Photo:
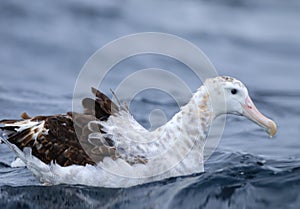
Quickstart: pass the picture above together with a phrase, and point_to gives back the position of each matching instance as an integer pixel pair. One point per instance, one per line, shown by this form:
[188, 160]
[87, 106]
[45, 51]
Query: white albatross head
[230, 96]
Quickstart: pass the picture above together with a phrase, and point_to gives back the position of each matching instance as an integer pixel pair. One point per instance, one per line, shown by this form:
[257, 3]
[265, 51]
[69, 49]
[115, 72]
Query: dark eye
[234, 91]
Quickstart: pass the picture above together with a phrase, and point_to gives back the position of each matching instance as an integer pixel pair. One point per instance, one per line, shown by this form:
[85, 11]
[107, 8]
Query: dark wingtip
[94, 91]
[102, 106]
[25, 116]
[9, 121]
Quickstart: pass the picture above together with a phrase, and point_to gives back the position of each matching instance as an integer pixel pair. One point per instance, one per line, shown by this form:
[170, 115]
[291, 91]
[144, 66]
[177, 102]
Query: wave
[232, 180]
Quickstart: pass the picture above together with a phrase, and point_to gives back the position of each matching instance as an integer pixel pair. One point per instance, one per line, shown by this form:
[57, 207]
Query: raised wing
[66, 139]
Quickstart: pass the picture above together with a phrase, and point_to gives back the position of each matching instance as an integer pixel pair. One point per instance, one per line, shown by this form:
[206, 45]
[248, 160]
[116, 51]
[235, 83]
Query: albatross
[105, 146]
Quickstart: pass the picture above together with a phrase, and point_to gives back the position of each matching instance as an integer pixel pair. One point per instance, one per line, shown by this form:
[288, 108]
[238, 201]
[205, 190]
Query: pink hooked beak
[251, 112]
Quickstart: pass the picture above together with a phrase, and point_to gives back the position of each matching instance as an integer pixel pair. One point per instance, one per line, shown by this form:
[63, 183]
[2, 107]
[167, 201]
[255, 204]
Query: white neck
[194, 119]
[185, 134]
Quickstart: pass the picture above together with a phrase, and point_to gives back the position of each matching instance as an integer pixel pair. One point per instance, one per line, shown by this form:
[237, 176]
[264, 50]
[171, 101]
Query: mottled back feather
[65, 139]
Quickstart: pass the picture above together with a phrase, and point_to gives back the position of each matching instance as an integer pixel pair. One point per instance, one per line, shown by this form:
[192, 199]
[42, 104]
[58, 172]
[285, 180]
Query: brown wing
[65, 139]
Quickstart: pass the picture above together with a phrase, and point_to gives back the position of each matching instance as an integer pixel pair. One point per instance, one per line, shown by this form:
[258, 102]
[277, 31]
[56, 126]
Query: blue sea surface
[44, 45]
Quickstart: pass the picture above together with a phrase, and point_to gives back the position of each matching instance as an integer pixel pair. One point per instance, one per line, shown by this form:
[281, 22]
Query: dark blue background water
[44, 44]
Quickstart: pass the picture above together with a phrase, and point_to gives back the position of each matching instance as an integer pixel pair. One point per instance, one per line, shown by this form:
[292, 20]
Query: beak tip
[272, 129]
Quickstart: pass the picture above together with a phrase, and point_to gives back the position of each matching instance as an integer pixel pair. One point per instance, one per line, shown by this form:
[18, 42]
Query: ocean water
[44, 45]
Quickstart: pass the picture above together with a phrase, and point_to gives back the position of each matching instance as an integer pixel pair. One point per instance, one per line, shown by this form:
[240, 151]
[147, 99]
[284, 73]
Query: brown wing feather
[60, 143]
[102, 107]
[68, 139]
